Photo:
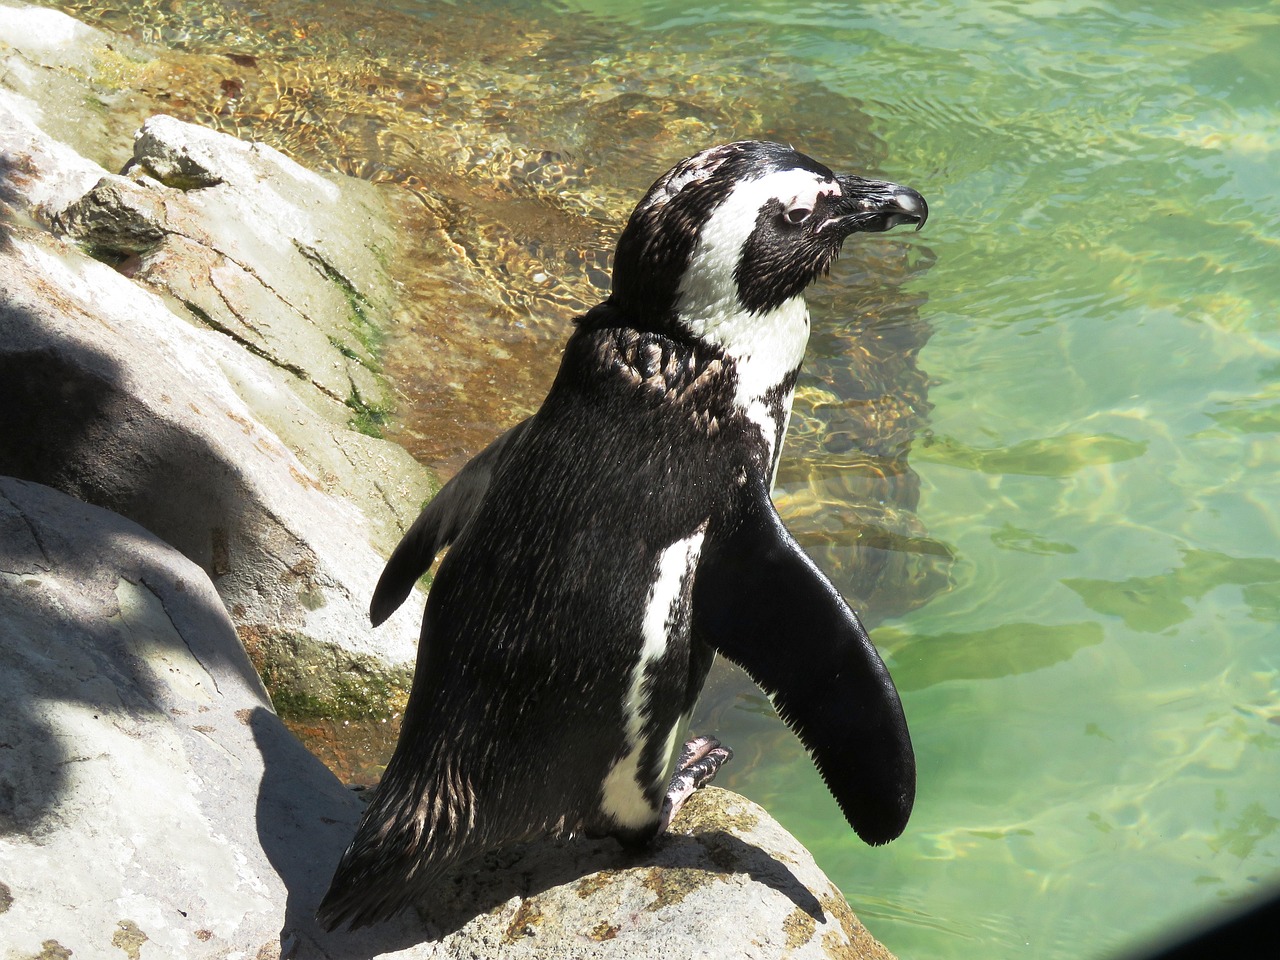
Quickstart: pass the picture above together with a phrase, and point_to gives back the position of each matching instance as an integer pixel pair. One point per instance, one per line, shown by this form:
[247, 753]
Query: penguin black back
[606, 548]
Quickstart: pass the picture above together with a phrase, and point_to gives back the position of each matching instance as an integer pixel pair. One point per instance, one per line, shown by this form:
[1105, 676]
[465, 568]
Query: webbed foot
[699, 762]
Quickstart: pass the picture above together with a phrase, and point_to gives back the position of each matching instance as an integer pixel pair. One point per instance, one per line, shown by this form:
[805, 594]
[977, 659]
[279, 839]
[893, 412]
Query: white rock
[227, 438]
[35, 29]
[54, 174]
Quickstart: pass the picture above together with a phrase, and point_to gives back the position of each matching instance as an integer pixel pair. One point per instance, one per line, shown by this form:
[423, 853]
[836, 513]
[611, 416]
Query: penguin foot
[699, 762]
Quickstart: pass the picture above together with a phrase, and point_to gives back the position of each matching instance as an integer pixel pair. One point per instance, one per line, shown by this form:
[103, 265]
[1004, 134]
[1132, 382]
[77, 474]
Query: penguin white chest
[767, 362]
[628, 788]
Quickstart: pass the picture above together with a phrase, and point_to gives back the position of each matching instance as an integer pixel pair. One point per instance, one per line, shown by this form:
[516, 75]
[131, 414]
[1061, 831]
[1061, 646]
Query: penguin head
[743, 228]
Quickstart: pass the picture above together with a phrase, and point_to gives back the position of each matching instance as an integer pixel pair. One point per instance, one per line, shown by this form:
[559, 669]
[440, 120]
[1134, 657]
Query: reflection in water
[1156, 603]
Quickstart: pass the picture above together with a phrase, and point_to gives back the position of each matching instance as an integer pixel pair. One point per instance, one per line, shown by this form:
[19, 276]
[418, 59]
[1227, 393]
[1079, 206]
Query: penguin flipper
[439, 524]
[761, 601]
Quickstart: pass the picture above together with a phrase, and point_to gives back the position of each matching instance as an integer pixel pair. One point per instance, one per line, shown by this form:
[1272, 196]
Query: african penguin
[605, 549]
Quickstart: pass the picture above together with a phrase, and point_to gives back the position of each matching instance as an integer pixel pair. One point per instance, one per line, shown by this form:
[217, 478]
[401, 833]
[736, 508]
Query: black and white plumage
[606, 548]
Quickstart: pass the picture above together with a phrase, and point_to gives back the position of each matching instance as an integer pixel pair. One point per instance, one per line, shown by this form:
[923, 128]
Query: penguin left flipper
[439, 524]
[761, 602]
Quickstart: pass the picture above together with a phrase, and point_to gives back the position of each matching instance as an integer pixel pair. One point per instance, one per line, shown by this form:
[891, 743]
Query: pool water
[1036, 443]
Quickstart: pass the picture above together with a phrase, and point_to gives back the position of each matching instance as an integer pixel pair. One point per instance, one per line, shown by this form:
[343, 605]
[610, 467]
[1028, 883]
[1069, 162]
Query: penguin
[603, 551]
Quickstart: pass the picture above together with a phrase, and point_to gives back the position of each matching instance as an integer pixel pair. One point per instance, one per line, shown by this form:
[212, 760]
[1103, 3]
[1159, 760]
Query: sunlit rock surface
[191, 345]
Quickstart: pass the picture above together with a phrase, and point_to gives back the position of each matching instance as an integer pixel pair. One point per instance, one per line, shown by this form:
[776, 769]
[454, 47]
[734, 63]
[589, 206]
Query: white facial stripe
[624, 798]
[768, 347]
[809, 196]
[708, 301]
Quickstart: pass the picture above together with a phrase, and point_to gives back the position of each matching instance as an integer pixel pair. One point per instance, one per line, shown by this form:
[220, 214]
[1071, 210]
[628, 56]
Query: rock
[40, 173]
[150, 801]
[727, 881]
[147, 791]
[213, 387]
[110, 397]
[51, 65]
[284, 261]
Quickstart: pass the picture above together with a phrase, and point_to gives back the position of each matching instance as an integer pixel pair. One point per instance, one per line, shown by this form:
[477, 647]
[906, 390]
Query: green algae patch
[129, 938]
[604, 930]
[670, 885]
[589, 886]
[707, 812]
[310, 680]
[860, 944]
[525, 923]
[51, 950]
[369, 417]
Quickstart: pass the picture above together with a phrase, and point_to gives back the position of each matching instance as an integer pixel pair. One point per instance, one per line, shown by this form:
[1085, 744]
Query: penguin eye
[797, 215]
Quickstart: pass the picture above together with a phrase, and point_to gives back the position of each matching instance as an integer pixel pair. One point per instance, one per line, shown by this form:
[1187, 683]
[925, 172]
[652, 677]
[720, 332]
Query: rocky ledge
[186, 372]
[190, 344]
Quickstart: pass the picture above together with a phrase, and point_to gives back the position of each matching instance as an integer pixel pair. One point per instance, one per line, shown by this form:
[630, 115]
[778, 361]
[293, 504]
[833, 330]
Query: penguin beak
[873, 206]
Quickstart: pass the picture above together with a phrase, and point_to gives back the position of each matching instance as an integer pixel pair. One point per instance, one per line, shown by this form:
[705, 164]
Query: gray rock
[151, 801]
[727, 881]
[205, 387]
[108, 396]
[40, 174]
[284, 261]
[148, 794]
[116, 217]
[49, 65]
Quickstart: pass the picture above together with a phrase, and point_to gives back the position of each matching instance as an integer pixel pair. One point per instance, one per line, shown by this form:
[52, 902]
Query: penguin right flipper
[762, 602]
[439, 524]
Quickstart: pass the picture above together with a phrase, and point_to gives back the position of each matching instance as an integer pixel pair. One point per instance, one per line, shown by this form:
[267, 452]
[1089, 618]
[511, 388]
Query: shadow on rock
[558, 890]
[305, 819]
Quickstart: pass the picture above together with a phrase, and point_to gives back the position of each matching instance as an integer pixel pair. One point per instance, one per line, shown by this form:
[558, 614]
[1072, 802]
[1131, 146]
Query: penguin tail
[374, 882]
[415, 829]
[355, 903]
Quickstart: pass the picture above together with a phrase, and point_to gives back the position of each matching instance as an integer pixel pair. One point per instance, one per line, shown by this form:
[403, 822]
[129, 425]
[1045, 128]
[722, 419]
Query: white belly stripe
[624, 798]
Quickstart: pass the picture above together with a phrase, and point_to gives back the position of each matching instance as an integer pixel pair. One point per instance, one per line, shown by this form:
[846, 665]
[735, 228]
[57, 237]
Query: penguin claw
[700, 761]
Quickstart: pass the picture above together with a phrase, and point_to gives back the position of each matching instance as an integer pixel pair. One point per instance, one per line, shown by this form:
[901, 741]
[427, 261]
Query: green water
[1095, 701]
[1078, 586]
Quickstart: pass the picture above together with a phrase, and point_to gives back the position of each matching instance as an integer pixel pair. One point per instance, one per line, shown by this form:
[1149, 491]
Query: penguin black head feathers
[744, 227]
